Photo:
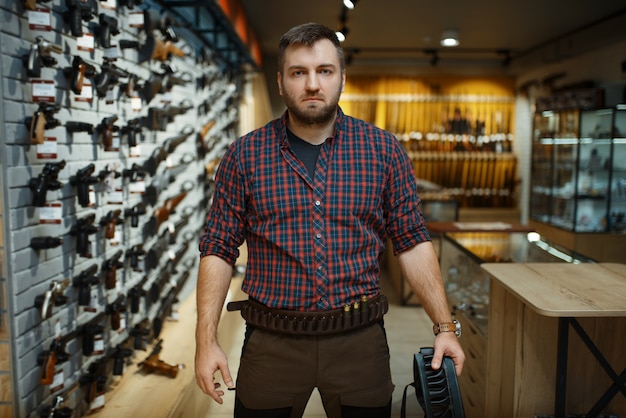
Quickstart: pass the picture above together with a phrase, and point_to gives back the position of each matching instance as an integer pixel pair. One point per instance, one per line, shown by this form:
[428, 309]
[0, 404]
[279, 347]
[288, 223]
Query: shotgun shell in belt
[356, 308]
[347, 317]
[364, 309]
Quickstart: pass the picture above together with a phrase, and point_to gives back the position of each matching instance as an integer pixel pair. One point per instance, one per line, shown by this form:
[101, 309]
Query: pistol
[109, 268]
[115, 311]
[132, 129]
[83, 282]
[110, 221]
[73, 127]
[134, 173]
[32, 4]
[46, 180]
[133, 213]
[77, 11]
[120, 353]
[52, 297]
[106, 129]
[202, 147]
[152, 363]
[81, 230]
[158, 49]
[44, 243]
[81, 180]
[78, 72]
[42, 119]
[88, 332]
[107, 27]
[108, 76]
[133, 255]
[56, 410]
[39, 56]
[139, 334]
[162, 213]
[162, 21]
[48, 359]
[134, 295]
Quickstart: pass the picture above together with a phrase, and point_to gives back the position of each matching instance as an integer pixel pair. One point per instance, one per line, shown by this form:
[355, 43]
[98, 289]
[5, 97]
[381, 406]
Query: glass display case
[578, 175]
[462, 253]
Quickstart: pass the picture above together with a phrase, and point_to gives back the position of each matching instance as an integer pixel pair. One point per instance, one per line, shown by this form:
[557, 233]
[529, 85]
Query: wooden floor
[408, 329]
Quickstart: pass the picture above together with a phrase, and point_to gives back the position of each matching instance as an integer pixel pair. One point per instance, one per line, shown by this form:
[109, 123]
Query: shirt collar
[281, 126]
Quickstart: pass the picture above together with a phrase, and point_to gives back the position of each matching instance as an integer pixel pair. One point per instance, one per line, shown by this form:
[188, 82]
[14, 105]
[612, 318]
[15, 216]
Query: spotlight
[342, 33]
[450, 38]
[350, 4]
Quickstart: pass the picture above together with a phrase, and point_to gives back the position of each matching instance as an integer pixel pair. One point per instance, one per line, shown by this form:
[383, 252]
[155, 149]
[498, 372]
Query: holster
[330, 322]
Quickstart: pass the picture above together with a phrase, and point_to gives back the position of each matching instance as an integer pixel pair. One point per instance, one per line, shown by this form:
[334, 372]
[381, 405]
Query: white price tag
[57, 381]
[86, 93]
[108, 4]
[48, 150]
[39, 19]
[51, 213]
[43, 91]
[115, 197]
[111, 53]
[134, 151]
[86, 42]
[135, 20]
[135, 103]
[137, 187]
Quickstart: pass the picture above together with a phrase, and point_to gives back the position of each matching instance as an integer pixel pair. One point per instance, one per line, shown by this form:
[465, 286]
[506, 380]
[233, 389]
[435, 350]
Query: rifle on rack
[77, 11]
[39, 56]
[46, 180]
[52, 297]
[160, 154]
[42, 120]
[56, 354]
[133, 213]
[109, 268]
[45, 243]
[159, 118]
[82, 180]
[78, 72]
[115, 311]
[110, 221]
[152, 363]
[83, 282]
[162, 213]
[81, 230]
[105, 130]
[132, 129]
[88, 332]
[201, 145]
[108, 76]
[107, 27]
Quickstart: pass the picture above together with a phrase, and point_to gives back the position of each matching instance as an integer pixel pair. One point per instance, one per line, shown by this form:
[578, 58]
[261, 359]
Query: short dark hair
[308, 34]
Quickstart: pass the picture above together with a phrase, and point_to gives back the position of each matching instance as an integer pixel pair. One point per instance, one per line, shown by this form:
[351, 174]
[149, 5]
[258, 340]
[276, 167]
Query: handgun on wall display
[77, 11]
[131, 131]
[162, 213]
[45, 243]
[32, 4]
[42, 120]
[108, 76]
[115, 310]
[52, 297]
[56, 354]
[56, 409]
[202, 147]
[46, 180]
[73, 127]
[159, 118]
[95, 383]
[162, 21]
[78, 72]
[153, 364]
[39, 56]
[158, 49]
[110, 221]
[81, 230]
[82, 180]
[134, 213]
[107, 27]
[134, 296]
[109, 269]
[133, 254]
[119, 355]
[161, 153]
[139, 333]
[88, 332]
[83, 281]
[105, 130]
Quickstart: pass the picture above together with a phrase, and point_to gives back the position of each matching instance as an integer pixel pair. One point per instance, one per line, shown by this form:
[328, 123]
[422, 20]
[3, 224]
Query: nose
[312, 82]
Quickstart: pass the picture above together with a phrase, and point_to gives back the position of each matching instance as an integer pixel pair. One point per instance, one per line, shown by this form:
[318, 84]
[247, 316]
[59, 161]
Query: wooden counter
[527, 303]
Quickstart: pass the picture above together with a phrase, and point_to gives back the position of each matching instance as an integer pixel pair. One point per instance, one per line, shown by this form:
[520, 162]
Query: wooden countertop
[445, 227]
[561, 289]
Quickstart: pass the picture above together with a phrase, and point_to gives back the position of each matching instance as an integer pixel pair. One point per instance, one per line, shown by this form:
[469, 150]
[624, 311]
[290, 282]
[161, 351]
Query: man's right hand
[209, 360]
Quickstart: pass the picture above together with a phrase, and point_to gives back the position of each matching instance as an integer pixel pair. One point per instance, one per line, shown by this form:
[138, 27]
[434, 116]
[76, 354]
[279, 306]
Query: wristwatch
[454, 326]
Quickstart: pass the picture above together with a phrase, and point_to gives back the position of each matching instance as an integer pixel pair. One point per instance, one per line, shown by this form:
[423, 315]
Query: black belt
[336, 321]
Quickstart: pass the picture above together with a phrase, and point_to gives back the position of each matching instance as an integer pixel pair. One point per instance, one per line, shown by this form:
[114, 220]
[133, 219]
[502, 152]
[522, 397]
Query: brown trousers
[350, 369]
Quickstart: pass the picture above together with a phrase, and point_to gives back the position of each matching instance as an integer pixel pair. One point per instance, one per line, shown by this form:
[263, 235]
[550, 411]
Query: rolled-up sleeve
[224, 229]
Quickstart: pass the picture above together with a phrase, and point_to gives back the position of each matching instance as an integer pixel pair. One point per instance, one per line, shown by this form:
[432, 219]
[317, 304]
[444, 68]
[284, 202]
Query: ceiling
[396, 34]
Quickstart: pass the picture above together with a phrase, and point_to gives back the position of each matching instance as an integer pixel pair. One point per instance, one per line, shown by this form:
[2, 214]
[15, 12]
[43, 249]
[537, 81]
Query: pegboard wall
[112, 127]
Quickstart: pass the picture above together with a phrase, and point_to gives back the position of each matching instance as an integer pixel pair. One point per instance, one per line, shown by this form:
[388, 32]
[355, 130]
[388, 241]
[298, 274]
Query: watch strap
[444, 327]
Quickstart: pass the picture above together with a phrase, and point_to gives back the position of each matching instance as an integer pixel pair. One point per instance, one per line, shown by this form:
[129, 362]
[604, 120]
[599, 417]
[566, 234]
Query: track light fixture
[350, 4]
[450, 38]
[342, 33]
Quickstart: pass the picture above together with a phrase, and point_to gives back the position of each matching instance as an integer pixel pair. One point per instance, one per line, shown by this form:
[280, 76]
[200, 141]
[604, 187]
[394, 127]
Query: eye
[325, 71]
[297, 73]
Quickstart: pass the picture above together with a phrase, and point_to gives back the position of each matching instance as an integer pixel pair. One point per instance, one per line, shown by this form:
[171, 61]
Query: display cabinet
[578, 177]
[468, 287]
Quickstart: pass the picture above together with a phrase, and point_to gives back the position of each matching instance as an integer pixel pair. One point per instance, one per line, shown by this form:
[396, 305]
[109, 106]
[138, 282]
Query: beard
[312, 113]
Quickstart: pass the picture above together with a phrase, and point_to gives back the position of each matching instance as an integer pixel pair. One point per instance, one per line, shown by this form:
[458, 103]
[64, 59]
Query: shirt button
[318, 236]
[317, 203]
[319, 267]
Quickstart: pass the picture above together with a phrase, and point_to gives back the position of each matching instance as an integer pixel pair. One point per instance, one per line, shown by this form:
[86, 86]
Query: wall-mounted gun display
[153, 364]
[56, 409]
[49, 359]
[119, 356]
[89, 331]
[202, 147]
[134, 213]
[82, 180]
[116, 310]
[83, 281]
[160, 154]
[52, 297]
[133, 254]
[107, 27]
[106, 129]
[81, 230]
[110, 221]
[162, 214]
[73, 127]
[135, 293]
[42, 120]
[46, 180]
[159, 118]
[108, 76]
[45, 243]
[131, 131]
[39, 56]
[109, 268]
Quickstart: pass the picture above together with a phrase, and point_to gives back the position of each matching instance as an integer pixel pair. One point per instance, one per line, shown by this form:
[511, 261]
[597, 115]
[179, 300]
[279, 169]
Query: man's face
[311, 82]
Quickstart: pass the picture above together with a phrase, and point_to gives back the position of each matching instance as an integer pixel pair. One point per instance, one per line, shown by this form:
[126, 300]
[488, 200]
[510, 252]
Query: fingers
[446, 344]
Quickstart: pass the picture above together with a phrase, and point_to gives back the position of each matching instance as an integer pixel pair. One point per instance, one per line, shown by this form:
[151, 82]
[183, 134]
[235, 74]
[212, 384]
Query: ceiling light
[450, 38]
[350, 4]
[342, 33]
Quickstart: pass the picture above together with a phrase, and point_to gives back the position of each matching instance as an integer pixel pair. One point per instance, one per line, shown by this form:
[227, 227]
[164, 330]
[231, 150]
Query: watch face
[457, 332]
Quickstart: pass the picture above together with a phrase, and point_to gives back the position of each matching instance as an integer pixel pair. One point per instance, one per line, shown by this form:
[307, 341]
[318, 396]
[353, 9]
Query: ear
[279, 80]
[343, 80]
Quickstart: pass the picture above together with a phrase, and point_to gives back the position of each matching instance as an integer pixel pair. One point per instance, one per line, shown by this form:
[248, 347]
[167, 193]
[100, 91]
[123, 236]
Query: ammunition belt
[330, 322]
